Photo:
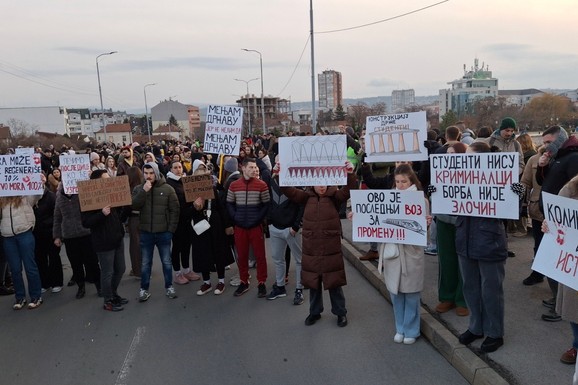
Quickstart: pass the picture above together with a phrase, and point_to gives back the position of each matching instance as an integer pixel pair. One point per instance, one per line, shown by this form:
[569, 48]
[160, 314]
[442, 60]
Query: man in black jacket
[556, 167]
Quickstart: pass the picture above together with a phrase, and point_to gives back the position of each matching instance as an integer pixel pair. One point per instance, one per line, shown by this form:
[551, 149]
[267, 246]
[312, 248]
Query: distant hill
[419, 100]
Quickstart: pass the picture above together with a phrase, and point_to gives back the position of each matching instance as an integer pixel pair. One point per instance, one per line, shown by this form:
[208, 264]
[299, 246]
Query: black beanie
[507, 123]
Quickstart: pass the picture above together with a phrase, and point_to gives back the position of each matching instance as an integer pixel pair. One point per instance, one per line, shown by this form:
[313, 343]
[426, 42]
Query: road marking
[130, 355]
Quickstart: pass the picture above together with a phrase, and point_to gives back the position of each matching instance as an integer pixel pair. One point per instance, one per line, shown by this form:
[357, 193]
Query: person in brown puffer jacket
[322, 260]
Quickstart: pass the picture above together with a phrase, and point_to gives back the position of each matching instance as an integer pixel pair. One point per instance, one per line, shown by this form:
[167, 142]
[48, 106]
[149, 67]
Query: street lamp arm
[100, 90]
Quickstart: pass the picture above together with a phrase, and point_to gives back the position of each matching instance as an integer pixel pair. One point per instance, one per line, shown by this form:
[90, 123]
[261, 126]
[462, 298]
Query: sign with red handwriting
[475, 184]
[557, 256]
[389, 216]
[20, 174]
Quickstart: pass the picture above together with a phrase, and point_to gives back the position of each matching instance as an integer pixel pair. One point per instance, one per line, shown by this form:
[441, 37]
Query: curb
[475, 370]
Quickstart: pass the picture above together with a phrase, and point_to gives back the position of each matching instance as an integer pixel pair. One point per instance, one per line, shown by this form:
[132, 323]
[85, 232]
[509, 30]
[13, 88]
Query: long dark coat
[322, 257]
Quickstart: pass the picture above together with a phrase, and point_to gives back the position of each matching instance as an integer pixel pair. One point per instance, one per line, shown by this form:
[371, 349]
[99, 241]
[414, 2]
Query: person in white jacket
[16, 224]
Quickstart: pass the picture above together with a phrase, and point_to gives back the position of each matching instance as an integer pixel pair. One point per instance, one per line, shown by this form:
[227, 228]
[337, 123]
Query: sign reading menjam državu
[20, 175]
[557, 256]
[475, 184]
[390, 216]
[224, 125]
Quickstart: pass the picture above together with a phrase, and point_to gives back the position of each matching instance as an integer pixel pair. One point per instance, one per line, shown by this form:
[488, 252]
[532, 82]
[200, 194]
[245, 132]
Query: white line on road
[130, 355]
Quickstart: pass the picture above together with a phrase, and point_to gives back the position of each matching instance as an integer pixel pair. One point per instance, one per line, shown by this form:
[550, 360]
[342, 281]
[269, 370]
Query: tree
[173, 121]
[547, 110]
[448, 119]
[339, 112]
[20, 127]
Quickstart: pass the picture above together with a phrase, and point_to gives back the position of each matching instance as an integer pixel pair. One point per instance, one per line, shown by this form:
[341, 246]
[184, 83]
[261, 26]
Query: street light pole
[147, 109]
[262, 94]
[100, 91]
[313, 113]
[248, 105]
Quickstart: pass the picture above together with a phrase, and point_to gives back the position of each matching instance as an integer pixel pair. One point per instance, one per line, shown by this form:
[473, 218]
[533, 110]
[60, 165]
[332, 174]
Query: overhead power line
[384, 20]
[296, 65]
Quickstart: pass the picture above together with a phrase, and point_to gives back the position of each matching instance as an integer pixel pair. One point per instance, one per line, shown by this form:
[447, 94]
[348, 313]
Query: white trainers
[143, 295]
[34, 303]
[56, 289]
[398, 338]
[171, 293]
[408, 341]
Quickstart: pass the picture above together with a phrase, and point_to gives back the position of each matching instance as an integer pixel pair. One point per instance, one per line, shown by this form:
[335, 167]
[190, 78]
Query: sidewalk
[532, 347]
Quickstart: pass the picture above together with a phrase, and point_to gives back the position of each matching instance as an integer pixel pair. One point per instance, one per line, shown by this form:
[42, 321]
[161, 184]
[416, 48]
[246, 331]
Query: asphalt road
[210, 340]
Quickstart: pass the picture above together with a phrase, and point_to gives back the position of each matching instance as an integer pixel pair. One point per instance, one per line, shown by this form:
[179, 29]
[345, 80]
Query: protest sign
[224, 125]
[74, 168]
[389, 216]
[313, 160]
[557, 256]
[477, 185]
[95, 194]
[396, 137]
[25, 151]
[198, 186]
[20, 174]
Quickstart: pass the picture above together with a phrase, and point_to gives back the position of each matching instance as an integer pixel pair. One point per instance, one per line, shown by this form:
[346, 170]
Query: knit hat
[507, 123]
[196, 164]
[231, 165]
[94, 156]
[135, 145]
[556, 145]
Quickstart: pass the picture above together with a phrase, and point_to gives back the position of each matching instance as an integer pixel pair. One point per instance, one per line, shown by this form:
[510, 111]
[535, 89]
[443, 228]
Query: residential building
[475, 84]
[5, 135]
[27, 120]
[169, 132]
[79, 122]
[110, 117]
[519, 97]
[400, 99]
[276, 110]
[330, 93]
[161, 114]
[115, 133]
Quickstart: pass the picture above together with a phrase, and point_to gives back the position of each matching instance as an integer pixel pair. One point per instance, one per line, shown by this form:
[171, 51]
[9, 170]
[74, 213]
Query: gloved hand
[519, 189]
[431, 189]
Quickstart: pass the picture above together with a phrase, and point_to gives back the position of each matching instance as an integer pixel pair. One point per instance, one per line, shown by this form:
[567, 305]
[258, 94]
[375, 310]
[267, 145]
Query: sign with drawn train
[396, 137]
[313, 160]
[389, 216]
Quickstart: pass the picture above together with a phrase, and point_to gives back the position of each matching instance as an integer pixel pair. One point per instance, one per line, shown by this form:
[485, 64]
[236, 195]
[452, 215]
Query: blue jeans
[406, 313]
[20, 251]
[162, 241]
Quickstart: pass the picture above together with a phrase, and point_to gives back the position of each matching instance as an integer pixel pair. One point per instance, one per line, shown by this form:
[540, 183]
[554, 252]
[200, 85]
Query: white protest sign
[396, 137]
[223, 130]
[475, 184]
[24, 151]
[389, 216]
[313, 160]
[557, 256]
[74, 168]
[20, 174]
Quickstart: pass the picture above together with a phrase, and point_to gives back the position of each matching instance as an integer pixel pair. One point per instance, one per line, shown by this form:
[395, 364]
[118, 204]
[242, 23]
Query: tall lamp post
[262, 94]
[100, 90]
[248, 105]
[147, 109]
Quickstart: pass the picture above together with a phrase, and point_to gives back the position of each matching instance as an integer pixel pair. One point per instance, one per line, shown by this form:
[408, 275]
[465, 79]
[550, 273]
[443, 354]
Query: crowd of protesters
[196, 238]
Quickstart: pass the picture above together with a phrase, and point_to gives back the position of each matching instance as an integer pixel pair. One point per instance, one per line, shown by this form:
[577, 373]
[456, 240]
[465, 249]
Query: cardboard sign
[74, 168]
[198, 186]
[477, 185]
[223, 130]
[95, 194]
[20, 174]
[313, 160]
[396, 137]
[557, 256]
[389, 216]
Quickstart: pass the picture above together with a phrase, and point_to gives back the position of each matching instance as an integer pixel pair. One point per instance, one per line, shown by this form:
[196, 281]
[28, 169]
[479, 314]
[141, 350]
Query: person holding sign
[211, 247]
[322, 259]
[482, 249]
[181, 250]
[107, 234]
[403, 270]
[16, 224]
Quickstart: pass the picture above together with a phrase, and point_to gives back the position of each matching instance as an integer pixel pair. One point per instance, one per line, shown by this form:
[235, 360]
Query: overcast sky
[192, 49]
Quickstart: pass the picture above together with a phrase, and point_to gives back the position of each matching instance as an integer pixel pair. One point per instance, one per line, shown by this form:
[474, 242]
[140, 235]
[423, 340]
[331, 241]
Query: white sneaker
[409, 341]
[143, 295]
[56, 289]
[398, 338]
[171, 293]
[235, 281]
